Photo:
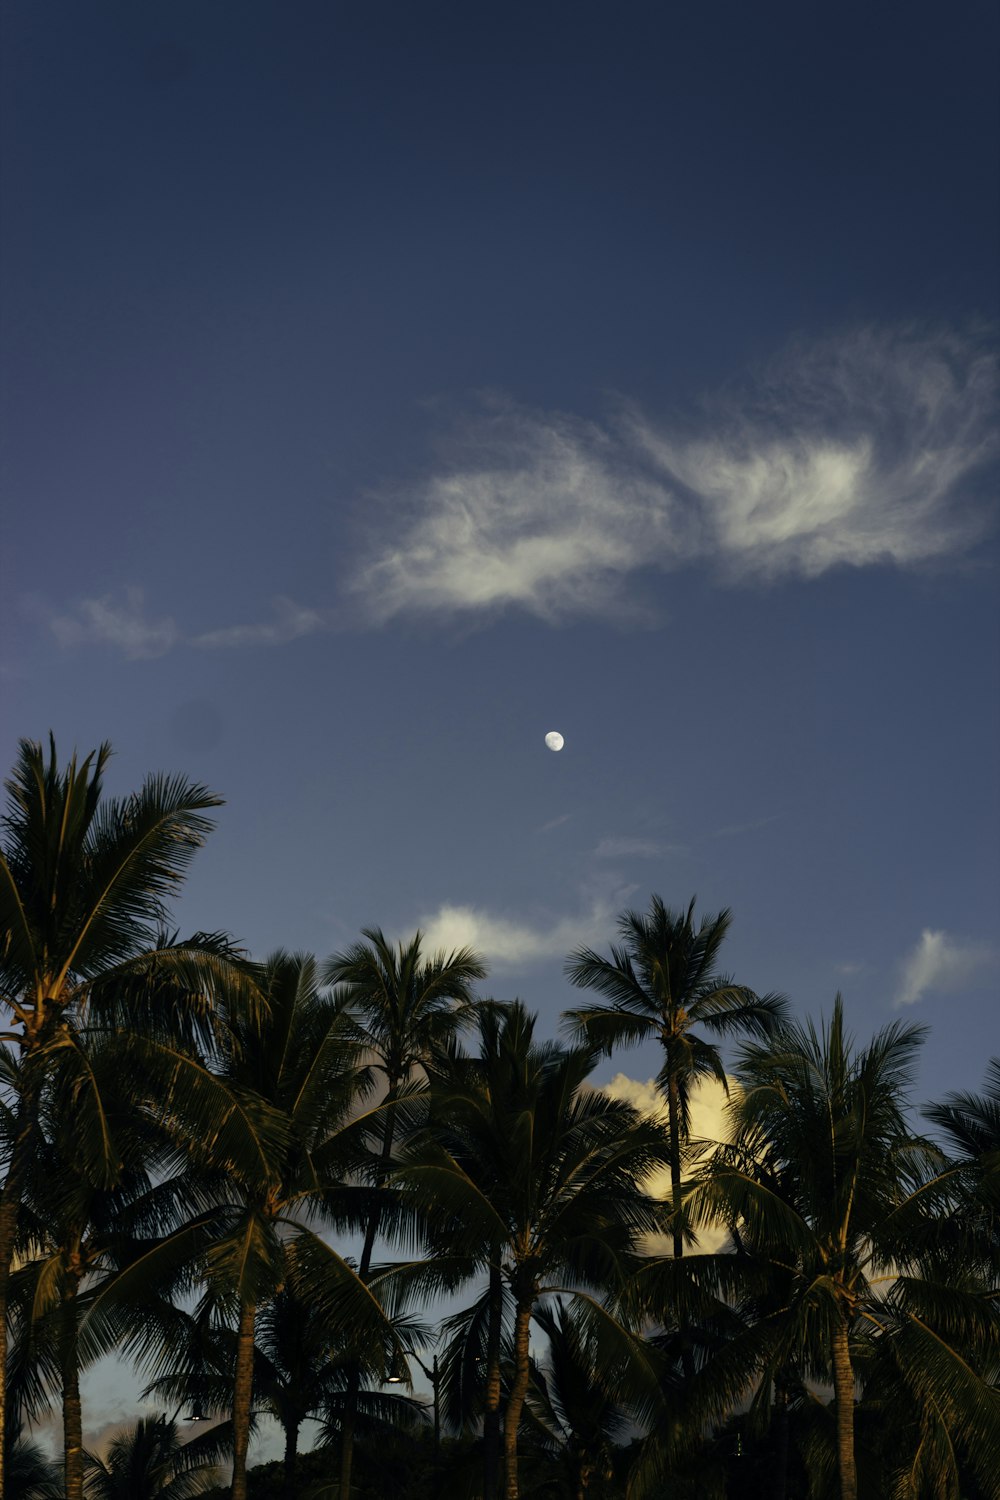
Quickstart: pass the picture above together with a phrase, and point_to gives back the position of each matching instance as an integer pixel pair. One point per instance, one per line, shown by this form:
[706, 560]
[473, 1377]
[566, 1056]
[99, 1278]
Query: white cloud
[291, 621]
[506, 942]
[121, 623]
[533, 509]
[941, 964]
[855, 452]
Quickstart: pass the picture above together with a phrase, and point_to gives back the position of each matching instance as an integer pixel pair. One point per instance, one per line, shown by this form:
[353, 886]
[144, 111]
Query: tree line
[203, 1154]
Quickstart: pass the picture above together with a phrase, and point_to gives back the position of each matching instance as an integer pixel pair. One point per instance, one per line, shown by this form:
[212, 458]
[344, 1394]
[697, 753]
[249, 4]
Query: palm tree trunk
[347, 1434]
[371, 1232]
[10, 1212]
[491, 1414]
[674, 1120]
[780, 1482]
[843, 1390]
[8, 1230]
[518, 1391]
[291, 1456]
[243, 1398]
[69, 1366]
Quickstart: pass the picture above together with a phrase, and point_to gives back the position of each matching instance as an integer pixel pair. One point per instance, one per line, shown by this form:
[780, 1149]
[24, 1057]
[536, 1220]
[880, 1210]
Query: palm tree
[971, 1127]
[84, 882]
[664, 985]
[406, 1007]
[544, 1172]
[74, 1235]
[578, 1413]
[148, 1461]
[29, 1474]
[826, 1181]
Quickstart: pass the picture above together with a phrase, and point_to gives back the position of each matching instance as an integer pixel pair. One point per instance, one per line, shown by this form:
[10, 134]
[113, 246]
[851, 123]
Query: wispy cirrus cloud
[854, 451]
[121, 621]
[943, 964]
[290, 621]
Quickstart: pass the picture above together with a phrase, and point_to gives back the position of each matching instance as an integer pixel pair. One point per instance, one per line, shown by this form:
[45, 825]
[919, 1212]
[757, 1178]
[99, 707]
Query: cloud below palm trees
[505, 941]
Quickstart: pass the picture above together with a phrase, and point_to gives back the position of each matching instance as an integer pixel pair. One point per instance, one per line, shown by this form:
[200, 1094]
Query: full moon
[554, 740]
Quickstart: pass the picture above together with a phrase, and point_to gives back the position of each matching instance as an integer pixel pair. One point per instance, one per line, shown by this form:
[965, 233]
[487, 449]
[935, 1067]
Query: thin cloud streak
[121, 622]
[852, 452]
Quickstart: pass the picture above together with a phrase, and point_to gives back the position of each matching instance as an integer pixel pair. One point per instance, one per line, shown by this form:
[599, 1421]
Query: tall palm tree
[825, 1179]
[74, 1234]
[663, 984]
[84, 885]
[406, 1007]
[293, 1066]
[546, 1172]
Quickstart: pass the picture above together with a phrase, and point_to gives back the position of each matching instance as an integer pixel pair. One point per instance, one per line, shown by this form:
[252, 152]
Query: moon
[554, 740]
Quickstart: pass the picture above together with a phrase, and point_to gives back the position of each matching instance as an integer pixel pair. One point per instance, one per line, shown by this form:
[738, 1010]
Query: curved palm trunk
[843, 1390]
[243, 1399]
[518, 1391]
[371, 1232]
[69, 1369]
[491, 1414]
[10, 1212]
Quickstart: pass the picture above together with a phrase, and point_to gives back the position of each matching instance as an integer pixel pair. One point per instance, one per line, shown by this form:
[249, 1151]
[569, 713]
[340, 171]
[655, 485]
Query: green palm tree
[148, 1461]
[544, 1172]
[826, 1181]
[84, 885]
[663, 984]
[407, 1007]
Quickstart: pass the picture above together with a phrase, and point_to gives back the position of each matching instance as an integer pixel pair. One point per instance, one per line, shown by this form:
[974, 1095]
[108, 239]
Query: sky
[385, 385]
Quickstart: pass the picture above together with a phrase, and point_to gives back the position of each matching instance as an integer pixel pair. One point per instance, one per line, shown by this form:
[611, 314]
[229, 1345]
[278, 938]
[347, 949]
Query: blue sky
[385, 385]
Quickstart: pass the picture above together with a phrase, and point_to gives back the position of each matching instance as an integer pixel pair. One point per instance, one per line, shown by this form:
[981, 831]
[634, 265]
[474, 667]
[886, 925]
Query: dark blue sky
[385, 385]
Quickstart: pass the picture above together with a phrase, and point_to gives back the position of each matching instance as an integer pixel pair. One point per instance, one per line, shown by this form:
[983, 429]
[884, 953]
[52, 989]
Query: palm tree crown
[663, 982]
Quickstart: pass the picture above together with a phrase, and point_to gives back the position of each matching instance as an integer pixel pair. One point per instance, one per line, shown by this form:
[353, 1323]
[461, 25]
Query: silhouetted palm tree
[406, 1006]
[547, 1172]
[826, 1180]
[84, 882]
[148, 1461]
[664, 985]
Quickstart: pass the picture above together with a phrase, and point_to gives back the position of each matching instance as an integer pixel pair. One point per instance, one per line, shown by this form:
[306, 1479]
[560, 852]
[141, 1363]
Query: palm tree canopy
[527, 1156]
[84, 879]
[406, 1004]
[828, 1188]
[662, 981]
[148, 1461]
